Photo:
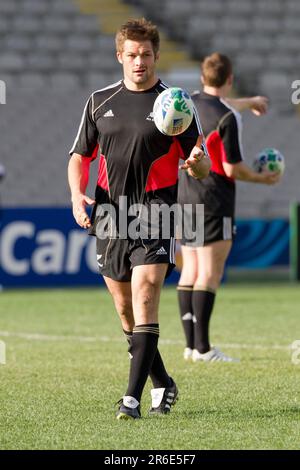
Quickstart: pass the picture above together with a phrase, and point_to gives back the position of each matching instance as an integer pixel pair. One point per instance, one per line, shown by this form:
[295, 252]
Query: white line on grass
[106, 339]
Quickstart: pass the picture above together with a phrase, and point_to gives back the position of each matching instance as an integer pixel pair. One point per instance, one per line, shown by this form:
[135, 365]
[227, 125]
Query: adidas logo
[130, 402]
[187, 316]
[150, 117]
[109, 114]
[161, 251]
[98, 261]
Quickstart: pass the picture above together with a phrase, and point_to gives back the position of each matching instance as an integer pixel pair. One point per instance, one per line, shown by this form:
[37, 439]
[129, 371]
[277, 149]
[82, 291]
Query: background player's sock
[143, 349]
[203, 303]
[185, 295]
[158, 373]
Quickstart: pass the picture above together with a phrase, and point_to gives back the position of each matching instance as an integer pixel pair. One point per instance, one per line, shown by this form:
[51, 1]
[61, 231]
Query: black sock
[158, 373]
[185, 295]
[143, 349]
[203, 303]
[128, 335]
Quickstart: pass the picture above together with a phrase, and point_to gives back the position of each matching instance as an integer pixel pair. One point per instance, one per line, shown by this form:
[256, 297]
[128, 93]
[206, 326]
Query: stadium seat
[35, 7]
[18, 43]
[260, 43]
[26, 24]
[87, 24]
[63, 81]
[266, 25]
[40, 62]
[57, 25]
[270, 7]
[227, 43]
[66, 8]
[281, 61]
[292, 7]
[79, 43]
[234, 24]
[291, 24]
[8, 7]
[11, 62]
[71, 61]
[288, 42]
[238, 7]
[49, 43]
[249, 62]
[32, 81]
[213, 9]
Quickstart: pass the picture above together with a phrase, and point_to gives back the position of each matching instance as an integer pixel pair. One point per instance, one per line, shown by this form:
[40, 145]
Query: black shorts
[116, 257]
[216, 228]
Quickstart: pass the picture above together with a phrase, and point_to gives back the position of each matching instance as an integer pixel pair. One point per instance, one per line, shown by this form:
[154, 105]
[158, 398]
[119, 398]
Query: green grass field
[67, 365]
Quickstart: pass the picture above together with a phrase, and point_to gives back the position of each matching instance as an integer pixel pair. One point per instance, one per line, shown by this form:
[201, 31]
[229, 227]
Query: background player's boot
[163, 399]
[129, 411]
[213, 355]
[187, 354]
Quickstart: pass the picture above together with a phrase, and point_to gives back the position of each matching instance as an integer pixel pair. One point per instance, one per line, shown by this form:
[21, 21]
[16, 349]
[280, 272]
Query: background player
[203, 266]
[118, 120]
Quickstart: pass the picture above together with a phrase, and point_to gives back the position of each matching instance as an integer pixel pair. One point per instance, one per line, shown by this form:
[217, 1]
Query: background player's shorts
[216, 228]
[116, 257]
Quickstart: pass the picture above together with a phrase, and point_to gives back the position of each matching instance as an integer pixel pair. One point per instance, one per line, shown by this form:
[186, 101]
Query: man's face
[138, 60]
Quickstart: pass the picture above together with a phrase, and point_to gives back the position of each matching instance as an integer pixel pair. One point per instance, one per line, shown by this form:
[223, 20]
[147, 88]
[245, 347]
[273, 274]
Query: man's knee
[210, 279]
[123, 304]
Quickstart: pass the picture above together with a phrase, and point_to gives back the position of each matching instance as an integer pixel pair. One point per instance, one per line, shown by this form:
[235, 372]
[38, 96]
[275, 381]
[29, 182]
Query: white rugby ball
[173, 111]
[269, 159]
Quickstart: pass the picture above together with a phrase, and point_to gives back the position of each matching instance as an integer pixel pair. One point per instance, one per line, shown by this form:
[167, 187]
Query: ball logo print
[173, 111]
[269, 159]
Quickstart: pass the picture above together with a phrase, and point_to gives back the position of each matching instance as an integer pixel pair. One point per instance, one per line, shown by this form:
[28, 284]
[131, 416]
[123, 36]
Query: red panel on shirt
[164, 171]
[217, 153]
[102, 174]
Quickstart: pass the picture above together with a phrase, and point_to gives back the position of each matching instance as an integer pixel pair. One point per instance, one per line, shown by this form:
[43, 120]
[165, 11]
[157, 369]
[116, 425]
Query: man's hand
[197, 165]
[259, 105]
[268, 177]
[79, 204]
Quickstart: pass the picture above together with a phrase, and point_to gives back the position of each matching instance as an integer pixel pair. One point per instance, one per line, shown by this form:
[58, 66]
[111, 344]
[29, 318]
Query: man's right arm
[78, 176]
[233, 163]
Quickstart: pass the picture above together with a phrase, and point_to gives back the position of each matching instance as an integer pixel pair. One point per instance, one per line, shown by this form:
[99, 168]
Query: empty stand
[53, 56]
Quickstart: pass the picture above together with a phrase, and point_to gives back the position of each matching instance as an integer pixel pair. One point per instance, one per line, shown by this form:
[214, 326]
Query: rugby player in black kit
[138, 165]
[203, 266]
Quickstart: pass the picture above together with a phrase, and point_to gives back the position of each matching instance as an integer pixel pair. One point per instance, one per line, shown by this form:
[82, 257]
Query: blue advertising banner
[261, 244]
[41, 247]
[45, 247]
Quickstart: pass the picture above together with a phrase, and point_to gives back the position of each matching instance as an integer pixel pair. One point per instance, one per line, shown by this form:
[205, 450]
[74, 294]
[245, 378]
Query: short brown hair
[216, 69]
[138, 30]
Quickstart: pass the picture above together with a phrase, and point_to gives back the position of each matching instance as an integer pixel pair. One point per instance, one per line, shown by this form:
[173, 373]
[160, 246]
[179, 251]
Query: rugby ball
[269, 159]
[173, 111]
